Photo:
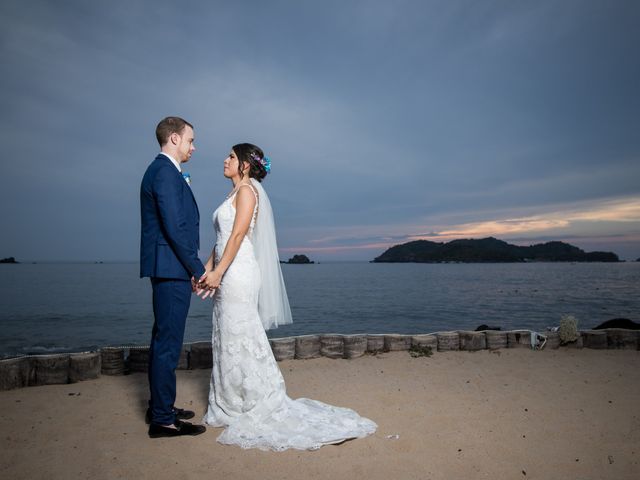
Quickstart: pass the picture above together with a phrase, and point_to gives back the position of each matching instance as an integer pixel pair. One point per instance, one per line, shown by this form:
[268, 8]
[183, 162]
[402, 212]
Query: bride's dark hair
[251, 154]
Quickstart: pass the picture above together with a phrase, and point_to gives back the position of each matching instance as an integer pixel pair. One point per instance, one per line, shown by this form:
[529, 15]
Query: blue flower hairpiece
[265, 162]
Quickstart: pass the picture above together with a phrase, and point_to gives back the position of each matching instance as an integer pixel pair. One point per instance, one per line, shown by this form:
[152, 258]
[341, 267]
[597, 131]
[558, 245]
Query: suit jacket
[170, 224]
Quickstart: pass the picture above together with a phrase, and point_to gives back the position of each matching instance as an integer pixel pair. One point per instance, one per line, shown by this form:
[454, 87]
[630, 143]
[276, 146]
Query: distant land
[9, 260]
[489, 250]
[299, 260]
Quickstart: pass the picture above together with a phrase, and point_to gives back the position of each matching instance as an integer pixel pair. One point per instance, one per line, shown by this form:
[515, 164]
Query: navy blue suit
[169, 256]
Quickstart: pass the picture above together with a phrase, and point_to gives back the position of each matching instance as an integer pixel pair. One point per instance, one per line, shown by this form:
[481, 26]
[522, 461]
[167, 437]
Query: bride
[247, 392]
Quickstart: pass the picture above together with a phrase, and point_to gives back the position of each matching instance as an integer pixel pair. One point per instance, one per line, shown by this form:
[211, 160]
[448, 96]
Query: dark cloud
[379, 116]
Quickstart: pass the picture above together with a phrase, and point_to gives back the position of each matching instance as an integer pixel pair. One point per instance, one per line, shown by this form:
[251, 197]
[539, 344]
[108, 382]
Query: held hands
[207, 284]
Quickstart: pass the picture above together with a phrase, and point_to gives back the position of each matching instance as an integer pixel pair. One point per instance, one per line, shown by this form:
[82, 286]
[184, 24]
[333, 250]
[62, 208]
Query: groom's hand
[208, 283]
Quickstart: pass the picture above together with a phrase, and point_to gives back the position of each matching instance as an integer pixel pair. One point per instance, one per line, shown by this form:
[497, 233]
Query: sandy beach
[513, 413]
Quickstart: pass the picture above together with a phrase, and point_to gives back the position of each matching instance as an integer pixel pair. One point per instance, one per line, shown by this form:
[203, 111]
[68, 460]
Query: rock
[519, 339]
[84, 366]
[183, 361]
[496, 339]
[354, 345]
[112, 362]
[15, 373]
[395, 342]
[139, 359]
[596, 339]
[307, 346]
[283, 348]
[375, 343]
[553, 340]
[622, 339]
[448, 341]
[425, 340]
[483, 327]
[332, 346]
[618, 323]
[472, 341]
[200, 356]
[51, 369]
[299, 259]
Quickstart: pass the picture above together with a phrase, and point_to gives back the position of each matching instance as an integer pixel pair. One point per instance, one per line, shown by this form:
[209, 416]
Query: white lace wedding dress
[247, 392]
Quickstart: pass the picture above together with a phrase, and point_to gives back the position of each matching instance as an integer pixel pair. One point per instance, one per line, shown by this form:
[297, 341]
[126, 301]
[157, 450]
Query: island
[299, 260]
[9, 260]
[488, 250]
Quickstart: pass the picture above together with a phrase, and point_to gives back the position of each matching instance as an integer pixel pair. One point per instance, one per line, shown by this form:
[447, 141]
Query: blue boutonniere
[187, 177]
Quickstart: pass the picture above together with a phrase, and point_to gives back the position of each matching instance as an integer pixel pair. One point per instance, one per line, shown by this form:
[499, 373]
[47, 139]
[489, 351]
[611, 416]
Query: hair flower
[265, 162]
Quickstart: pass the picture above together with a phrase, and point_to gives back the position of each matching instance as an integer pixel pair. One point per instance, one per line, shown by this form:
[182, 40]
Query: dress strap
[253, 189]
[255, 193]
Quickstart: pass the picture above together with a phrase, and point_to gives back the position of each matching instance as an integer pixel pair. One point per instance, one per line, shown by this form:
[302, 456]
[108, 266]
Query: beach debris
[538, 341]
[610, 458]
[524, 473]
[392, 437]
[568, 329]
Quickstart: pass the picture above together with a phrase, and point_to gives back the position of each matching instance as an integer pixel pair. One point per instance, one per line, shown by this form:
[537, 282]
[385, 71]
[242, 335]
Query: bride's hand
[208, 283]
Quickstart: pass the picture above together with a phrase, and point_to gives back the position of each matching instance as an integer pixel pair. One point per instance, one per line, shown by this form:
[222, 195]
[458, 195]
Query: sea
[62, 307]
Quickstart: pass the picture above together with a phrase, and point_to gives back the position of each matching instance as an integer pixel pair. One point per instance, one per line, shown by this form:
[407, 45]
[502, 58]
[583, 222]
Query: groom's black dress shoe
[182, 428]
[181, 414]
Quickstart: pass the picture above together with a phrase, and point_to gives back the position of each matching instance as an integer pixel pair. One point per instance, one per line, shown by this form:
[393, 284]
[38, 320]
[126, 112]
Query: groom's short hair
[170, 125]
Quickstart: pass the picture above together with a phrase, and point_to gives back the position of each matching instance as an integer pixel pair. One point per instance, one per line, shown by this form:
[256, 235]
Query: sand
[514, 413]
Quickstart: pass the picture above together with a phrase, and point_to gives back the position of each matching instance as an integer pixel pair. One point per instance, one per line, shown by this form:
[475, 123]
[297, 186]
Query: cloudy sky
[386, 121]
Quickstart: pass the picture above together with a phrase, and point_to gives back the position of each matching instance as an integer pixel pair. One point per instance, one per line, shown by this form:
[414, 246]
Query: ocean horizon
[53, 306]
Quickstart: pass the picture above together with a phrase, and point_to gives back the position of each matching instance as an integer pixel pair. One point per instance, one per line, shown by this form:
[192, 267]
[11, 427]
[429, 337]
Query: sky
[386, 121]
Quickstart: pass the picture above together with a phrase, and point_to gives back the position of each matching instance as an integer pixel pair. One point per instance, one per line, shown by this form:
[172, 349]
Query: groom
[169, 256]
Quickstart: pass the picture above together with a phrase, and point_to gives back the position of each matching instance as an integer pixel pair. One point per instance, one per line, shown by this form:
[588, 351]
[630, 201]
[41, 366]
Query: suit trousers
[171, 300]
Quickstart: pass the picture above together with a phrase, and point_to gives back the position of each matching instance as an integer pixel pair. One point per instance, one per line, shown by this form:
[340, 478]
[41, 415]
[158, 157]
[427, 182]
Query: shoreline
[63, 368]
[509, 413]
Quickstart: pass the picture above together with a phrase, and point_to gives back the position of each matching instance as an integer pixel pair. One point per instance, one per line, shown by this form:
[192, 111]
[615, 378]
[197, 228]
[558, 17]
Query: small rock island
[489, 250]
[299, 260]
[9, 260]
